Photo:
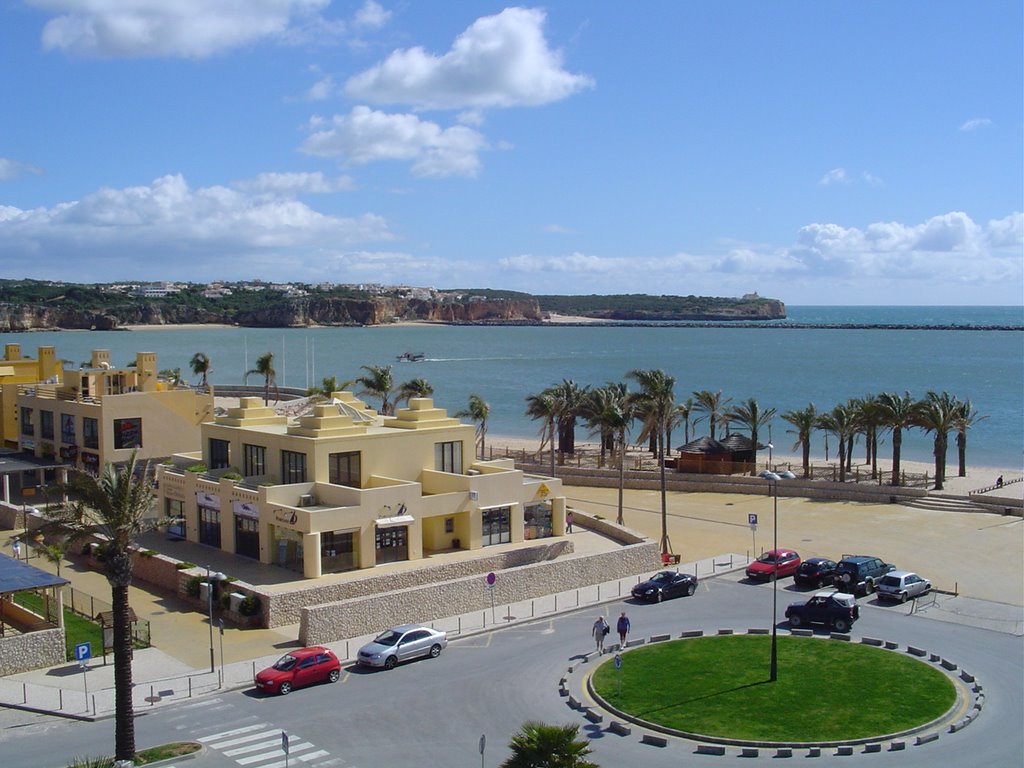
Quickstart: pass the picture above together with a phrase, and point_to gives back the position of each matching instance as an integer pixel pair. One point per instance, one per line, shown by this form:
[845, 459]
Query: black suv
[815, 572]
[834, 609]
[858, 573]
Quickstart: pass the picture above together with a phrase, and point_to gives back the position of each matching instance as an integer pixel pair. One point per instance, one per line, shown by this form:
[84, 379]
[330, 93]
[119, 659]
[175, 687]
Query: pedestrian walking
[600, 631]
[568, 521]
[17, 549]
[622, 625]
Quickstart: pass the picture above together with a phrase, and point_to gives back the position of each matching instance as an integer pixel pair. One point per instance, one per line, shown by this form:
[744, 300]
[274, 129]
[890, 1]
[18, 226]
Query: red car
[298, 668]
[787, 561]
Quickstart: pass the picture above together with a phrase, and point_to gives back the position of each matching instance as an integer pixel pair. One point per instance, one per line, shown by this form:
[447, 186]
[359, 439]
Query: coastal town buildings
[101, 413]
[345, 488]
[16, 369]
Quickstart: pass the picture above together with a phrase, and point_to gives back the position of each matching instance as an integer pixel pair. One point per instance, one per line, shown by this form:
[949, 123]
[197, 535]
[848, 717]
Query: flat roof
[19, 576]
[22, 461]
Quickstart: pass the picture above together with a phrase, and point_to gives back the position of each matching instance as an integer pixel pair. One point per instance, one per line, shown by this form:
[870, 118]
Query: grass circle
[825, 691]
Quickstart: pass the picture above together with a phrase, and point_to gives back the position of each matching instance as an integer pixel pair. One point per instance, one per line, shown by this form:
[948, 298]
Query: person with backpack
[599, 631]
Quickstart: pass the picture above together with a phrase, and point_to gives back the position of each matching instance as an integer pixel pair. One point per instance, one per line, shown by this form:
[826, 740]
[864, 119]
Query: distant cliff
[290, 312]
[764, 309]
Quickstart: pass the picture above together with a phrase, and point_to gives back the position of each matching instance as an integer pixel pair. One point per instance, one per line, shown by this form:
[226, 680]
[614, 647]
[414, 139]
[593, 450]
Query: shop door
[392, 544]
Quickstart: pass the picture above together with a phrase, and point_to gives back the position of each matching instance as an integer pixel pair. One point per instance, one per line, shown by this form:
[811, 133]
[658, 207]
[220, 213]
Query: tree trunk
[842, 460]
[897, 443]
[940, 461]
[622, 472]
[664, 497]
[124, 715]
[807, 457]
[961, 449]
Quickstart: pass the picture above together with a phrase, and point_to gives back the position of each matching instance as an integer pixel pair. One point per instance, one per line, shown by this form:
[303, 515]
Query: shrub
[192, 586]
[225, 600]
[197, 468]
[184, 565]
[147, 552]
[232, 476]
[249, 606]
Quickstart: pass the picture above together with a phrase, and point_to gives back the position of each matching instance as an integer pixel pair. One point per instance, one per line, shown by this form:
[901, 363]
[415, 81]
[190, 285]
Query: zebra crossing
[257, 744]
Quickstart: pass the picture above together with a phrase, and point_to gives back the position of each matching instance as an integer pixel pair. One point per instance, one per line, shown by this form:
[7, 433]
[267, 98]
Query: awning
[391, 522]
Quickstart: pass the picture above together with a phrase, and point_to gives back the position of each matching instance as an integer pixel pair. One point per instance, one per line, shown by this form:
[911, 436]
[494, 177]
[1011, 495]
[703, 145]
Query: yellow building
[17, 369]
[102, 414]
[345, 488]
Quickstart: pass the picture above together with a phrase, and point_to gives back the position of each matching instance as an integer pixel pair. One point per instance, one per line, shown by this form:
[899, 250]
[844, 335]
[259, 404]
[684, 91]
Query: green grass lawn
[826, 690]
[77, 629]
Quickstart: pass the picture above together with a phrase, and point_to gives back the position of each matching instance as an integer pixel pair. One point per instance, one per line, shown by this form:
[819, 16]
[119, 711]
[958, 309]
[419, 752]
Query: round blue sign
[491, 578]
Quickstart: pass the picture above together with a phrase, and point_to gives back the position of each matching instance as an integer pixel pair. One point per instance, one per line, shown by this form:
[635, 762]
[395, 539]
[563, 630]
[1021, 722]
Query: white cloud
[558, 229]
[870, 178]
[322, 89]
[366, 135]
[185, 28]
[296, 183]
[499, 61]
[371, 16]
[167, 230]
[835, 176]
[12, 169]
[975, 123]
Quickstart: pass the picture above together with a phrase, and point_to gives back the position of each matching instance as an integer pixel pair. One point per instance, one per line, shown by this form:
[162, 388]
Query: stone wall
[428, 602]
[34, 650]
[285, 608]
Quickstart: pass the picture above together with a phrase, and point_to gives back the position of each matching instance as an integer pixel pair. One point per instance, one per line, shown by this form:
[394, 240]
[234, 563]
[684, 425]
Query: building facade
[15, 369]
[101, 414]
[345, 488]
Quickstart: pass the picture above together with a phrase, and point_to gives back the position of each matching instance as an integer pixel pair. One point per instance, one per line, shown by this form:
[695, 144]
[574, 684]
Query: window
[537, 520]
[392, 544]
[254, 458]
[220, 454]
[293, 467]
[175, 510]
[46, 425]
[344, 469]
[91, 432]
[448, 457]
[67, 428]
[209, 526]
[27, 427]
[338, 551]
[497, 528]
[127, 433]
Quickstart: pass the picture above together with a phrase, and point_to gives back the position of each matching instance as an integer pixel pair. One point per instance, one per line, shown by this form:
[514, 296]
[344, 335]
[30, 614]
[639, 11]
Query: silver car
[409, 641]
[901, 585]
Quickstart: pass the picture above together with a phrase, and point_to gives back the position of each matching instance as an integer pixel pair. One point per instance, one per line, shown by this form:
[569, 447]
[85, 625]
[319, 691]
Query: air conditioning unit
[474, 495]
[307, 500]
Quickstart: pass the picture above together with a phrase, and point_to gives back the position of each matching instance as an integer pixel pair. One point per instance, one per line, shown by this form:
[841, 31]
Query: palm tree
[568, 400]
[477, 411]
[172, 375]
[939, 414]
[841, 422]
[896, 413]
[200, 365]
[804, 422]
[712, 405]
[538, 745]
[116, 505]
[869, 419]
[967, 417]
[378, 383]
[328, 386]
[413, 388]
[265, 368]
[654, 405]
[750, 415]
[681, 415]
[542, 406]
[594, 410]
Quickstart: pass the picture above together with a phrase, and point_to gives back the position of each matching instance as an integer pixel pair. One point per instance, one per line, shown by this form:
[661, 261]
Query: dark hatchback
[815, 572]
[837, 610]
[664, 585]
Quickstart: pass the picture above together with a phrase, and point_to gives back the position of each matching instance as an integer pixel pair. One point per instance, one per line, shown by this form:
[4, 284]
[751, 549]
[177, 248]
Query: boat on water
[411, 357]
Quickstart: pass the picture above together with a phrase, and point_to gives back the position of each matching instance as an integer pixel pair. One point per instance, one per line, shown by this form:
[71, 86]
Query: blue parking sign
[83, 652]
[752, 518]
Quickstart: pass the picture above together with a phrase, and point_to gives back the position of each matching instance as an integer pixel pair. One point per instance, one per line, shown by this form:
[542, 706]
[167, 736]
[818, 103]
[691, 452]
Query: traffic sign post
[752, 522]
[483, 744]
[284, 747]
[491, 578]
[83, 652]
[618, 673]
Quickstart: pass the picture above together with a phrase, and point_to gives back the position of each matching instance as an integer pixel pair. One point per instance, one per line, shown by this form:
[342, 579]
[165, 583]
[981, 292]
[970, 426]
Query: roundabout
[832, 696]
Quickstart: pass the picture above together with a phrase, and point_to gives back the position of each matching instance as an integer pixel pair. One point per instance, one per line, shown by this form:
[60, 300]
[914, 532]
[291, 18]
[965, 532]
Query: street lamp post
[210, 579]
[220, 624]
[773, 481]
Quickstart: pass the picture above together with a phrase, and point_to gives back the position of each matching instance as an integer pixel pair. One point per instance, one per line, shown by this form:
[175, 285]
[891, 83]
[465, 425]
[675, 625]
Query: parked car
[860, 573]
[409, 641]
[900, 585]
[815, 572]
[834, 609]
[774, 562]
[298, 668]
[664, 585]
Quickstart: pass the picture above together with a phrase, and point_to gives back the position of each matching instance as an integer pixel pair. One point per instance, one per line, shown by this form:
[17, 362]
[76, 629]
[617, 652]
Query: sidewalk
[161, 679]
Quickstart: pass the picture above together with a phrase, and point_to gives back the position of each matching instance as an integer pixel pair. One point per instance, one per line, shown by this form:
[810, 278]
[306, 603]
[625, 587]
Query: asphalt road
[433, 712]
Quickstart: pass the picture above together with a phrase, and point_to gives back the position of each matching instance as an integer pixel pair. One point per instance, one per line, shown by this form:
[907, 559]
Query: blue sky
[816, 152]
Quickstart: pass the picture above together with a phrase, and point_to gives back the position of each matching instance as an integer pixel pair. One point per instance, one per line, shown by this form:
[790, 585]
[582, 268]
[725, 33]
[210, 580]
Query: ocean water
[784, 368]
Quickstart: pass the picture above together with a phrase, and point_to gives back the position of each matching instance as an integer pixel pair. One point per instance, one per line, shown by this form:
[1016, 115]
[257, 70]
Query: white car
[409, 641]
[901, 585]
